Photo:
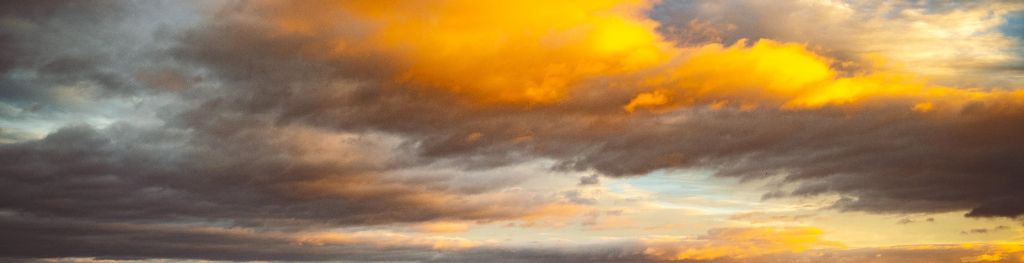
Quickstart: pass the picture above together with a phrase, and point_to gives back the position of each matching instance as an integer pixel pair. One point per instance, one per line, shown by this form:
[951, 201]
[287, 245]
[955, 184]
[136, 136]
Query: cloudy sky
[513, 131]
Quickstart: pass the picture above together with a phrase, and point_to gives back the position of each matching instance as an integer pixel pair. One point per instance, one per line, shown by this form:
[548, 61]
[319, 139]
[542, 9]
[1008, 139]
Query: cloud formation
[749, 111]
[127, 241]
[739, 244]
[322, 130]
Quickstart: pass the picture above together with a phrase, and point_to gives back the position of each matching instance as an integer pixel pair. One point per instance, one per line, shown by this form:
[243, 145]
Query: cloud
[443, 227]
[739, 243]
[521, 52]
[284, 122]
[826, 132]
[49, 237]
[54, 47]
[766, 109]
[38, 237]
[593, 179]
[952, 43]
[125, 173]
[118, 187]
[772, 74]
[984, 230]
[760, 217]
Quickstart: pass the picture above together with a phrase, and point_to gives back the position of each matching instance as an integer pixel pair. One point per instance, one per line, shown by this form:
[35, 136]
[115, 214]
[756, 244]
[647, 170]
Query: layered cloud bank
[380, 131]
[600, 89]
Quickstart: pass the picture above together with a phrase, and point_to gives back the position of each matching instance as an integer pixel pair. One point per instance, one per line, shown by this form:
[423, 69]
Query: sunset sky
[512, 131]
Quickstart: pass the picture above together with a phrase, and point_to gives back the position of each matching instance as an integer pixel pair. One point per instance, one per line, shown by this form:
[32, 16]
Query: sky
[511, 131]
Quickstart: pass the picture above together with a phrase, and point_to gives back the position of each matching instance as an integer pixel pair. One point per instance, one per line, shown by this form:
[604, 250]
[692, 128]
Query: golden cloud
[507, 52]
[789, 76]
[383, 239]
[538, 52]
[738, 243]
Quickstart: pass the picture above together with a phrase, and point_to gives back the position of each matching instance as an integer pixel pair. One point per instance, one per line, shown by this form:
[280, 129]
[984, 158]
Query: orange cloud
[1000, 251]
[538, 52]
[383, 239]
[996, 252]
[738, 243]
[786, 75]
[443, 227]
[788, 244]
[507, 52]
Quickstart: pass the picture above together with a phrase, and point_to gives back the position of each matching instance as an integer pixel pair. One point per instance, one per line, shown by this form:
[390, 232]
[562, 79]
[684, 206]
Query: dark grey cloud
[134, 192]
[62, 58]
[221, 156]
[984, 230]
[9, 136]
[47, 237]
[905, 221]
[253, 177]
[27, 236]
[593, 179]
[54, 43]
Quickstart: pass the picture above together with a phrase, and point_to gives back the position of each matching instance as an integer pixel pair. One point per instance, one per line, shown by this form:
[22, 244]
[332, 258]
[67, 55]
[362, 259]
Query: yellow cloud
[443, 227]
[538, 52]
[998, 252]
[737, 243]
[529, 51]
[785, 75]
[383, 239]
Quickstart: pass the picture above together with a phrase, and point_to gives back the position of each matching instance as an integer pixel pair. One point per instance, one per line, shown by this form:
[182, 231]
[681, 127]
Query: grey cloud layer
[49, 44]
